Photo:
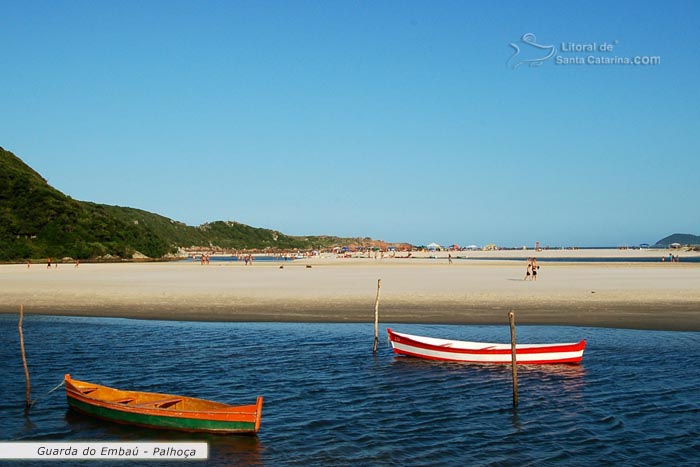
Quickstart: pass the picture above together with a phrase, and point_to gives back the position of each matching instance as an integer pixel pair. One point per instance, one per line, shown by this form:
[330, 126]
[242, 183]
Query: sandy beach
[657, 295]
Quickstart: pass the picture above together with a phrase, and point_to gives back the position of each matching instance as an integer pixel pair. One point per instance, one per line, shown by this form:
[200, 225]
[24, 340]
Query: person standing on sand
[48, 264]
[535, 267]
[529, 268]
[449, 258]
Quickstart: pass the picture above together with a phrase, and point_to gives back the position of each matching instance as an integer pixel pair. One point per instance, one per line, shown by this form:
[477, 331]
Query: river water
[635, 399]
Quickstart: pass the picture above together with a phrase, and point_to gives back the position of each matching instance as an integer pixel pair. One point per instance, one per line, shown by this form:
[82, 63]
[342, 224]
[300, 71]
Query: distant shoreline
[510, 254]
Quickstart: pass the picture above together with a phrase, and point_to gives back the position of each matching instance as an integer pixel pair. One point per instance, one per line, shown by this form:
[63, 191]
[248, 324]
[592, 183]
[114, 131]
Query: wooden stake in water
[376, 317]
[511, 318]
[28, 401]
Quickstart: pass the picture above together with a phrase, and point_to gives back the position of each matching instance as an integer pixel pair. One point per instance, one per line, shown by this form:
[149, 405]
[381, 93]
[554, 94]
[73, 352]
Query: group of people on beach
[532, 268]
[205, 259]
[55, 264]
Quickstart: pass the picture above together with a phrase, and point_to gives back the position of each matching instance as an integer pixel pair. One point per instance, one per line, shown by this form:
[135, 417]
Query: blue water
[635, 400]
[638, 259]
[641, 259]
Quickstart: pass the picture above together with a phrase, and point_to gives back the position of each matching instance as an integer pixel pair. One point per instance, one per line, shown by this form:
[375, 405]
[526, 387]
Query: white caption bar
[107, 450]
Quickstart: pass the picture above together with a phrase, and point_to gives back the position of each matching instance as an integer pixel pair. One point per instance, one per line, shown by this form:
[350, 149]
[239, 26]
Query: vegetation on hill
[38, 221]
[682, 239]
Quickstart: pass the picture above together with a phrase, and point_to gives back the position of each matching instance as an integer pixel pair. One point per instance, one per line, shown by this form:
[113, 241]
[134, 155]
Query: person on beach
[529, 268]
[48, 264]
[535, 267]
[449, 258]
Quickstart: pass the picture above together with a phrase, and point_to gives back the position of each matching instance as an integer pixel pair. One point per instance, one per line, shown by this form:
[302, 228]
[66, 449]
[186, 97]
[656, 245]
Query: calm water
[637, 259]
[635, 400]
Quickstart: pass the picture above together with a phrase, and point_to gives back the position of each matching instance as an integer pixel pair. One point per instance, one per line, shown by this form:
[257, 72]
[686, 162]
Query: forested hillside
[38, 221]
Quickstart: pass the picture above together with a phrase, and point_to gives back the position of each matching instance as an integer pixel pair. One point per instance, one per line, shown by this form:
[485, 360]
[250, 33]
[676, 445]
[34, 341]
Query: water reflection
[239, 450]
[515, 420]
[562, 370]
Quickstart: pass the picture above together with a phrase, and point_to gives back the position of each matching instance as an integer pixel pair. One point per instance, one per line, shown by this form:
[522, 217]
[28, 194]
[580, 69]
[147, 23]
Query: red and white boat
[482, 352]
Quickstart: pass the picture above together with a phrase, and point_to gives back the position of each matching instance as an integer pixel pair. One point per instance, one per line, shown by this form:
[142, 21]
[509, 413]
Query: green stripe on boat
[156, 421]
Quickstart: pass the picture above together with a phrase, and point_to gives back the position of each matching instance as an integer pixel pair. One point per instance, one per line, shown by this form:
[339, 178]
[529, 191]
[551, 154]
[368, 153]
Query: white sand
[632, 295]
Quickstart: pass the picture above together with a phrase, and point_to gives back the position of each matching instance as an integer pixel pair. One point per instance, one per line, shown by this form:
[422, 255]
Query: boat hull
[481, 352]
[142, 409]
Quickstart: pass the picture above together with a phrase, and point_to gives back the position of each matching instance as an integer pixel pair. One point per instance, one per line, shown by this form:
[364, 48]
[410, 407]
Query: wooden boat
[164, 411]
[482, 352]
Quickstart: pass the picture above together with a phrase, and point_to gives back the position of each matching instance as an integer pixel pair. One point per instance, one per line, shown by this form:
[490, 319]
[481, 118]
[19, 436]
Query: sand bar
[664, 296]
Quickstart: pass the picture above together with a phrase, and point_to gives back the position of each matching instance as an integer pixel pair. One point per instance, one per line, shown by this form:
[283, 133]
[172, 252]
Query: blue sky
[401, 121]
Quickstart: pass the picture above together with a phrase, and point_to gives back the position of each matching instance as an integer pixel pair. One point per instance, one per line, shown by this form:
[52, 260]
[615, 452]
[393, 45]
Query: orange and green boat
[162, 411]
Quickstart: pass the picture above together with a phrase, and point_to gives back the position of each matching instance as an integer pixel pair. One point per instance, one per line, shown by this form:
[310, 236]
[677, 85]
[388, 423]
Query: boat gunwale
[410, 339]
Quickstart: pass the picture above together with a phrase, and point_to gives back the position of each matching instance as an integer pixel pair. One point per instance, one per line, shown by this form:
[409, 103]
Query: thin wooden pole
[376, 317]
[514, 365]
[28, 401]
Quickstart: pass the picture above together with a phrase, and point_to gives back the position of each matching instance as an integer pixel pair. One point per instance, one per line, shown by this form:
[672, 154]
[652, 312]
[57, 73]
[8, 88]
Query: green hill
[683, 239]
[38, 221]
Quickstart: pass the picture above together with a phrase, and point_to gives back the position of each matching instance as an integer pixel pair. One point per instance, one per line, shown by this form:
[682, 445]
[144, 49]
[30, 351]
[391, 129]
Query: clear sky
[402, 120]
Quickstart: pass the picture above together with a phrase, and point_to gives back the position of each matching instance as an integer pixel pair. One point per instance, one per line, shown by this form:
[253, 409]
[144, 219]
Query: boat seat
[161, 403]
[88, 390]
[126, 400]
